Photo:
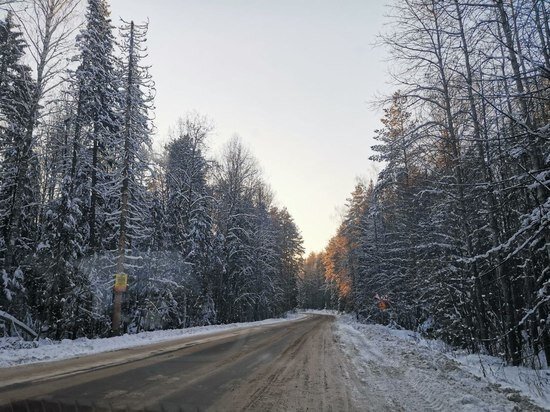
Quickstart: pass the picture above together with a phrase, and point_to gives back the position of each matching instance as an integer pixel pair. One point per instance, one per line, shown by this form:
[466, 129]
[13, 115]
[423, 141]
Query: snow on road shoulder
[534, 384]
[402, 371]
[46, 350]
[321, 312]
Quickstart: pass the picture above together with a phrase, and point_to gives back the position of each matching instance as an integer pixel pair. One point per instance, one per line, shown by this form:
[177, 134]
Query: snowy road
[312, 363]
[291, 365]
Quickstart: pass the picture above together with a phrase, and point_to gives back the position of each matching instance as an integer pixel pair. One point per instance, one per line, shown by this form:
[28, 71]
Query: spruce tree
[98, 122]
[19, 193]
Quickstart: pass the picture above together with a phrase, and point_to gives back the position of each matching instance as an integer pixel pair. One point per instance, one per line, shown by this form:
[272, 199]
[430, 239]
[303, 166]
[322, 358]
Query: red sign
[383, 303]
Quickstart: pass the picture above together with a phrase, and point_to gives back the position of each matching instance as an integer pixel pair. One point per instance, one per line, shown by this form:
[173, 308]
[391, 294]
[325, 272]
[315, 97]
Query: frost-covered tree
[82, 203]
[130, 217]
[290, 256]
[236, 180]
[189, 222]
[82, 196]
[455, 231]
[261, 245]
[19, 194]
[314, 291]
[133, 164]
[98, 121]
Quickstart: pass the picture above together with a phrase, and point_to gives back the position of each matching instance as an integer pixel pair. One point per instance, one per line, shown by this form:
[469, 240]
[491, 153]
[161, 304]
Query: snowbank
[320, 311]
[534, 384]
[46, 350]
[463, 381]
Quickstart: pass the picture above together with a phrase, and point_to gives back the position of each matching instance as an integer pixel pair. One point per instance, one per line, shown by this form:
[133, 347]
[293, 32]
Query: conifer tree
[189, 225]
[98, 122]
[19, 194]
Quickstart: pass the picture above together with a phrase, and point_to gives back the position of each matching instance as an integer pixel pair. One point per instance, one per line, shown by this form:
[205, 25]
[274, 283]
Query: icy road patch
[399, 371]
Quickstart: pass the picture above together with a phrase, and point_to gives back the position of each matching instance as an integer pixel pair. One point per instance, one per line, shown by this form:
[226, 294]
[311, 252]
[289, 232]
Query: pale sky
[293, 78]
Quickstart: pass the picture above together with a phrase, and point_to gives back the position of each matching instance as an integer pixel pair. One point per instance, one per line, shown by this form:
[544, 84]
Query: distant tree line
[456, 231]
[83, 196]
[315, 290]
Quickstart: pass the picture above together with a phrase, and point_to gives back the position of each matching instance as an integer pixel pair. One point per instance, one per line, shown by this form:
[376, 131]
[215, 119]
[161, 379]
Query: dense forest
[454, 236]
[83, 196]
[452, 239]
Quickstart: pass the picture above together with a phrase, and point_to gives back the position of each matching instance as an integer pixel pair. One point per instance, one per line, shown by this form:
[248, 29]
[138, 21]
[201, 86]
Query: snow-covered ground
[392, 369]
[406, 372]
[19, 353]
[320, 311]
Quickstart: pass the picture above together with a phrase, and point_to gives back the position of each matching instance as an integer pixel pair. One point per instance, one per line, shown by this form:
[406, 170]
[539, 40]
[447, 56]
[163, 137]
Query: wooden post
[121, 284]
[117, 310]
[125, 195]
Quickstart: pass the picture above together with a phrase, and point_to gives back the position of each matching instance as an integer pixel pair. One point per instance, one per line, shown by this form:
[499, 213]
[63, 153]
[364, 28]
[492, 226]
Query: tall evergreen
[134, 160]
[189, 223]
[19, 191]
[98, 122]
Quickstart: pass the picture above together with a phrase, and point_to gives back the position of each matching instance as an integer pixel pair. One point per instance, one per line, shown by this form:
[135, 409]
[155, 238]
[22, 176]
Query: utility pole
[121, 284]
[121, 280]
[117, 309]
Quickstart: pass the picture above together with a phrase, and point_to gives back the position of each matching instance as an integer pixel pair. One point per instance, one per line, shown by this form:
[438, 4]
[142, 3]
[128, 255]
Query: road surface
[293, 365]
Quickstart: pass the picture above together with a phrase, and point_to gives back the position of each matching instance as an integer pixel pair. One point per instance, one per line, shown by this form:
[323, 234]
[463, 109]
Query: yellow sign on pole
[121, 282]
